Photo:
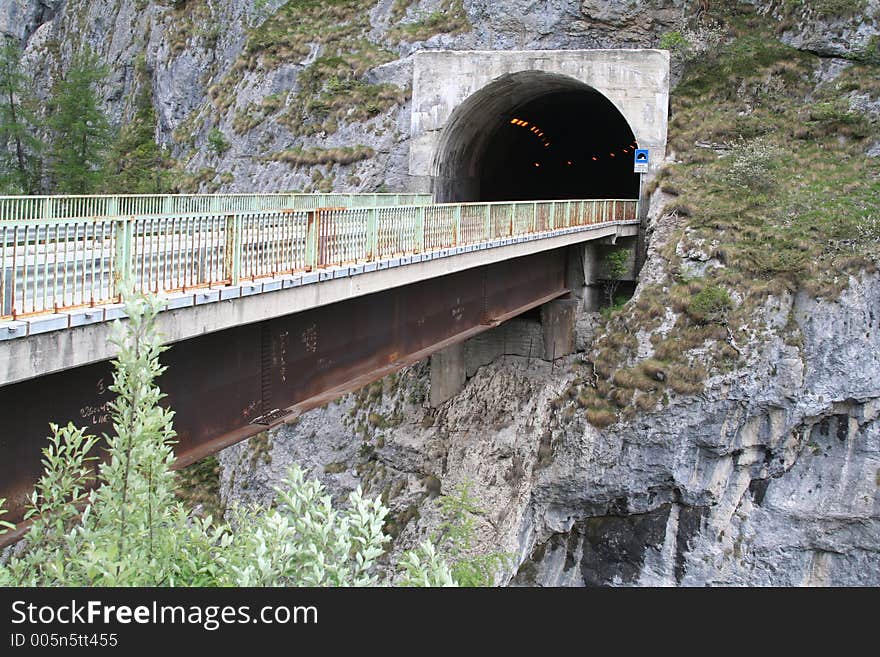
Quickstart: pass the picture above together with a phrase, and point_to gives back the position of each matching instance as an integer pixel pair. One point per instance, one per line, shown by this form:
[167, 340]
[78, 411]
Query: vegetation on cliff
[20, 150]
[332, 87]
[80, 130]
[771, 192]
[70, 148]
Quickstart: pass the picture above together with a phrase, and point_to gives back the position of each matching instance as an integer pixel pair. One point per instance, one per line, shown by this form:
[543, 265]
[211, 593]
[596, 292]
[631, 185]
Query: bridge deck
[54, 273]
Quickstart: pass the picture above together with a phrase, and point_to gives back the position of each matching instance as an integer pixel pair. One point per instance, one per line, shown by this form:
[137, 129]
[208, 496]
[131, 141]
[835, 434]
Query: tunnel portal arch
[535, 135]
[518, 125]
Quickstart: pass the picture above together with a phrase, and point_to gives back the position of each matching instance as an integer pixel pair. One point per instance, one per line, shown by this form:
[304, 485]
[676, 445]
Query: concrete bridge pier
[549, 333]
[545, 334]
[448, 373]
[558, 327]
[591, 269]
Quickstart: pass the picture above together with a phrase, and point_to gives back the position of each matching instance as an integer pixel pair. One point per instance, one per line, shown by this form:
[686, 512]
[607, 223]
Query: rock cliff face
[771, 475]
[213, 65]
[209, 70]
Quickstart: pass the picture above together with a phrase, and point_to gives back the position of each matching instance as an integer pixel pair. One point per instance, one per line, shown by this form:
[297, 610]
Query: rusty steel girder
[232, 384]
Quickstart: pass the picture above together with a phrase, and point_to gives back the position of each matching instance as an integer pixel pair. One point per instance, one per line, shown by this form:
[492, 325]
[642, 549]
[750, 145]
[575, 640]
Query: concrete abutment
[545, 333]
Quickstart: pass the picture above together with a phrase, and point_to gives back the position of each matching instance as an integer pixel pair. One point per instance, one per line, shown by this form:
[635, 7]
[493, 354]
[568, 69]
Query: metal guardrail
[49, 265]
[22, 208]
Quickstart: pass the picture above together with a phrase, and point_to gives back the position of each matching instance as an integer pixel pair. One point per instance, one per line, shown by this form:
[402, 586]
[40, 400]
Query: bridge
[277, 303]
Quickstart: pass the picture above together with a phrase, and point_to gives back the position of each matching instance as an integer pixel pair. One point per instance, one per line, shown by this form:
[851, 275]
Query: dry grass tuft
[314, 156]
[601, 418]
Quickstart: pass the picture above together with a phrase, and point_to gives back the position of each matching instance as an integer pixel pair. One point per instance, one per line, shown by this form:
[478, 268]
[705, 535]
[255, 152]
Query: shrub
[674, 41]
[217, 142]
[752, 166]
[133, 532]
[709, 305]
[456, 538]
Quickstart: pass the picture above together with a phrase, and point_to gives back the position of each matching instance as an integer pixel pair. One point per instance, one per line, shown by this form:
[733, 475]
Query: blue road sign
[642, 160]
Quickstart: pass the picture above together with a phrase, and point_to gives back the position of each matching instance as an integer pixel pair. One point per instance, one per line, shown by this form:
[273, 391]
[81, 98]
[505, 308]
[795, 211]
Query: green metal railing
[21, 208]
[56, 264]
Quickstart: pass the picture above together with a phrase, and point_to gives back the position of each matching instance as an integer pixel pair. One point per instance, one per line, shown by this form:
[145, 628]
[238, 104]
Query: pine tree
[19, 148]
[80, 129]
[136, 164]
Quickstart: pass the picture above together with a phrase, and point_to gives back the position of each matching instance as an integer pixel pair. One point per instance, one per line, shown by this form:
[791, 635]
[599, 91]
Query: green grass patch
[773, 185]
[450, 18]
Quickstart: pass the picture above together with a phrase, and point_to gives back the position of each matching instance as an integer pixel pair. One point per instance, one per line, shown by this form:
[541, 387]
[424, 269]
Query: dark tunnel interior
[572, 144]
[568, 142]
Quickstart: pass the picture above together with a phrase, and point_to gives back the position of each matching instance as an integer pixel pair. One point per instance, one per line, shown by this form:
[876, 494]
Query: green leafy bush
[133, 531]
[217, 141]
[674, 41]
[456, 540]
[753, 166]
[710, 305]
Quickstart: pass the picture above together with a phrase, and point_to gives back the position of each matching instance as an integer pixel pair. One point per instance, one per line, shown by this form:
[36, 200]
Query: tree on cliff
[80, 131]
[136, 164]
[133, 531]
[614, 266]
[19, 147]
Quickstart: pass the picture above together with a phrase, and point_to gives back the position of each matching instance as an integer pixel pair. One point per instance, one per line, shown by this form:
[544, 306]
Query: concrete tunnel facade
[522, 125]
[531, 125]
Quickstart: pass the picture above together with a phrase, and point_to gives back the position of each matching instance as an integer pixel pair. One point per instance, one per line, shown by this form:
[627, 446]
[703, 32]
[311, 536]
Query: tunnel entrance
[535, 135]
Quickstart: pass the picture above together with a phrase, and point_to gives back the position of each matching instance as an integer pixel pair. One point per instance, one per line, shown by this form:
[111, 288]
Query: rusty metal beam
[227, 386]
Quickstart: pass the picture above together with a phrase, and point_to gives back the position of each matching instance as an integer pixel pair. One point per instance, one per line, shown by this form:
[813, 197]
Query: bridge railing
[49, 265]
[22, 208]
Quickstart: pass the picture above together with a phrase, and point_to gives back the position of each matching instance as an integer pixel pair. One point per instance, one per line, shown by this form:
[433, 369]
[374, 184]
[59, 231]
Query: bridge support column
[558, 324]
[592, 290]
[448, 373]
